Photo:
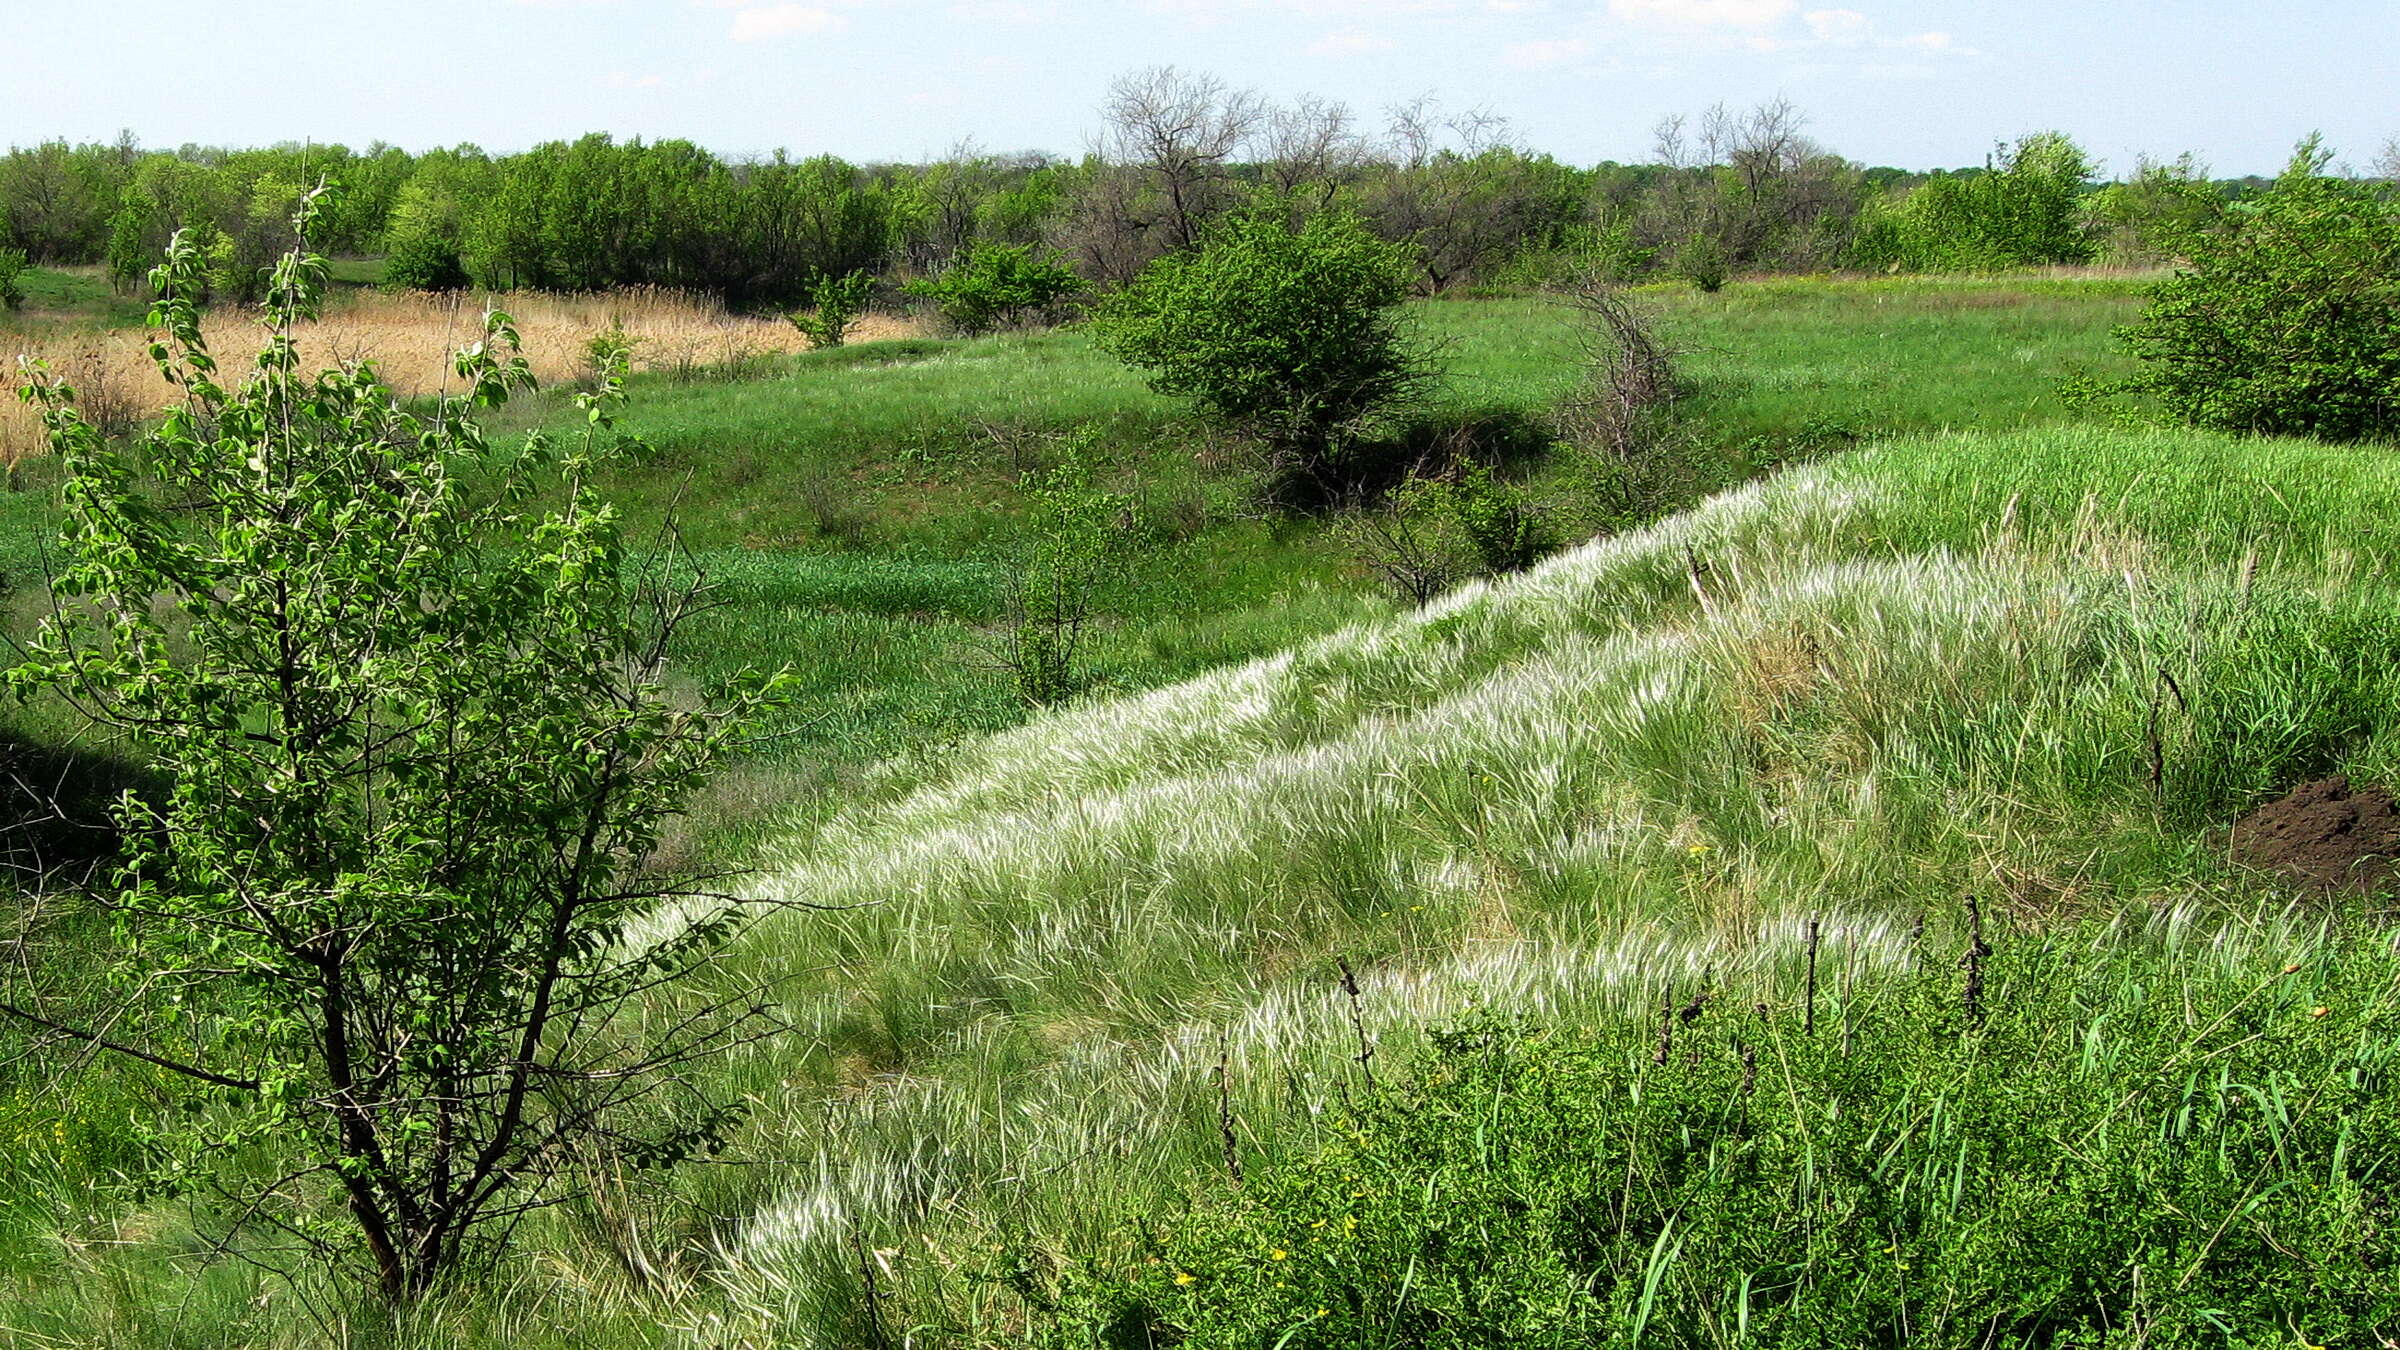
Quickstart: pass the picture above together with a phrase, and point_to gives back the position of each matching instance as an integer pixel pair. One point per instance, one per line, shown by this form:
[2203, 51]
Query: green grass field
[1080, 958]
[833, 493]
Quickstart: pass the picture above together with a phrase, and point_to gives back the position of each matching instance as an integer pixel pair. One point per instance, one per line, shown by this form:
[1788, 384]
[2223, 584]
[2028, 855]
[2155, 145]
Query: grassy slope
[860, 504]
[1902, 672]
[1911, 673]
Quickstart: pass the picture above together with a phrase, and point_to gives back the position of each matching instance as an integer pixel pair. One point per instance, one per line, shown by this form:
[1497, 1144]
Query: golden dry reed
[410, 338]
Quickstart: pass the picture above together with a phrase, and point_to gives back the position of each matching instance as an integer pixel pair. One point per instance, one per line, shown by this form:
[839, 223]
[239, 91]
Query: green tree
[2287, 322]
[1292, 336]
[418, 743]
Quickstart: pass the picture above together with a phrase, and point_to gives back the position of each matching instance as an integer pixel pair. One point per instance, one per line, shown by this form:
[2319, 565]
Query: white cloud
[1837, 25]
[1005, 11]
[618, 79]
[1212, 11]
[1830, 30]
[1350, 42]
[1703, 14]
[1545, 55]
[760, 22]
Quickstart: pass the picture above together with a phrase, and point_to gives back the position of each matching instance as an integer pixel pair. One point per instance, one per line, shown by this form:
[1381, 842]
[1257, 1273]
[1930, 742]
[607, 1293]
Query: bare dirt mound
[2326, 835]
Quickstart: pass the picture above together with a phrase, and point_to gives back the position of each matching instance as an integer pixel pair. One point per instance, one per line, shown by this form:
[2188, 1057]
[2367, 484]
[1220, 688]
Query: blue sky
[1914, 83]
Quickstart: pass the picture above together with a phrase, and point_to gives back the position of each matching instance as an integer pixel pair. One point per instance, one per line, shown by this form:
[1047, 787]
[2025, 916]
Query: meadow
[1612, 919]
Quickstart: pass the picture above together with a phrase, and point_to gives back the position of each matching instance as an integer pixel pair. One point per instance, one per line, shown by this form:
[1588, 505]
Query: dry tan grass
[410, 339]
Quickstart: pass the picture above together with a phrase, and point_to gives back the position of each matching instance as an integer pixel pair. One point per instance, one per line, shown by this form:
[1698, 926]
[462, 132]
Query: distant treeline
[1726, 192]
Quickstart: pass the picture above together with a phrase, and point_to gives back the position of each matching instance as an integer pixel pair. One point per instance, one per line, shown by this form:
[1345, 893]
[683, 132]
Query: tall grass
[1846, 697]
[413, 337]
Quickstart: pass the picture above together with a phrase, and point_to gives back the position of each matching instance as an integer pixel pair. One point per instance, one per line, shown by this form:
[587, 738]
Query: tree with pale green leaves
[390, 919]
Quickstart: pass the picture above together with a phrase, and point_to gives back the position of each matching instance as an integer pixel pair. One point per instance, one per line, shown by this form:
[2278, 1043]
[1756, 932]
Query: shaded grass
[78, 296]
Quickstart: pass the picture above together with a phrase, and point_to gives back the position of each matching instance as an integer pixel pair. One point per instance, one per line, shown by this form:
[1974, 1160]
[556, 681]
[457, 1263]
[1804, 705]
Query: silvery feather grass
[1845, 697]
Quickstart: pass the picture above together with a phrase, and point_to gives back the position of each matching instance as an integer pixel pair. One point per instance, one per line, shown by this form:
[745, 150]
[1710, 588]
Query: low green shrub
[834, 307]
[993, 286]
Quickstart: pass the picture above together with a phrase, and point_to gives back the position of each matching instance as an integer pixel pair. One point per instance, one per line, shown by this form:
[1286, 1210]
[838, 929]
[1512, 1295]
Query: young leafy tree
[834, 306]
[1290, 335]
[418, 741]
[1077, 540]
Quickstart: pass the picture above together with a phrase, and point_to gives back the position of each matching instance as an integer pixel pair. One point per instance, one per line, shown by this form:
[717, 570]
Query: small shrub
[1290, 336]
[1075, 542]
[1404, 543]
[1702, 262]
[835, 304]
[2288, 320]
[1507, 531]
[993, 286]
[1431, 533]
[13, 266]
[607, 349]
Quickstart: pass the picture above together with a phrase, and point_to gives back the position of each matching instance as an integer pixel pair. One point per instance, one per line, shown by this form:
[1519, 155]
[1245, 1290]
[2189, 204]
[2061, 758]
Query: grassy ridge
[1883, 688]
[1850, 694]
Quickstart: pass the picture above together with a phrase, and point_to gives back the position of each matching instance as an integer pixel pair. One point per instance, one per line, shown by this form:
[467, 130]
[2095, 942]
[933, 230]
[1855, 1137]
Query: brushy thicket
[2287, 322]
[2061, 1144]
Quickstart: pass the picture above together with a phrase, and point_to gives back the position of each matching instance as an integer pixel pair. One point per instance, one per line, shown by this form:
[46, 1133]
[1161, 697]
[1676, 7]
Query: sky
[1909, 83]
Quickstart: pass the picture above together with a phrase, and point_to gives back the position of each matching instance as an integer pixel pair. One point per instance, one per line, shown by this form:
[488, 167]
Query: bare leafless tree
[1617, 416]
[2387, 160]
[1182, 131]
[1309, 149]
[1753, 184]
[1457, 186]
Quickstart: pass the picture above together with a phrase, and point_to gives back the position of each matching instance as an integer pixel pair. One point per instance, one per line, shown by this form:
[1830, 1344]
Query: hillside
[1854, 694]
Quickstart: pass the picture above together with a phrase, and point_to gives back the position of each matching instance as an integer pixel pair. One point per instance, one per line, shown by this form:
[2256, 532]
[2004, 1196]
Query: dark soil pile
[2326, 835]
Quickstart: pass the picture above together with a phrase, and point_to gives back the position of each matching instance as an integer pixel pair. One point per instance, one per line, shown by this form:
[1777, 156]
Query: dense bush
[2025, 209]
[995, 285]
[1289, 335]
[2287, 322]
[2061, 1145]
[12, 278]
[424, 263]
